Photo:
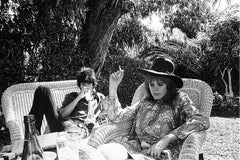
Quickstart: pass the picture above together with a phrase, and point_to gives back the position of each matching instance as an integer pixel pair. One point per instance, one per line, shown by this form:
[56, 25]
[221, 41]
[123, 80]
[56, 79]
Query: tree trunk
[101, 21]
[230, 83]
[225, 83]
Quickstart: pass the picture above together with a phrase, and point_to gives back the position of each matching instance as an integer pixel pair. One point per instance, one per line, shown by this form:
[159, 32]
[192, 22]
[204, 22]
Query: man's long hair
[86, 75]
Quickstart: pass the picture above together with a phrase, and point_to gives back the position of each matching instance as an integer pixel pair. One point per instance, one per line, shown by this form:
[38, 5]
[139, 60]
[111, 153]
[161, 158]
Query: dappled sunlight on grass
[223, 139]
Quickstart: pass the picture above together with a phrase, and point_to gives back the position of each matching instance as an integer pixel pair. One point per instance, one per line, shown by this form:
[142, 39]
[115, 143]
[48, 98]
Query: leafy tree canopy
[189, 16]
[225, 41]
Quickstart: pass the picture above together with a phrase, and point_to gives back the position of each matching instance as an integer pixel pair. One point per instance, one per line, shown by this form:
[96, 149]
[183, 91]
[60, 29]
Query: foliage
[129, 33]
[52, 38]
[185, 56]
[218, 99]
[39, 41]
[224, 51]
[214, 3]
[47, 47]
[189, 16]
[225, 38]
[225, 106]
[12, 69]
[145, 8]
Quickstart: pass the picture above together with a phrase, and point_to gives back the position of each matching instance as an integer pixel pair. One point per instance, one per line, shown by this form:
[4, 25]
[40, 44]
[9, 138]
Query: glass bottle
[31, 149]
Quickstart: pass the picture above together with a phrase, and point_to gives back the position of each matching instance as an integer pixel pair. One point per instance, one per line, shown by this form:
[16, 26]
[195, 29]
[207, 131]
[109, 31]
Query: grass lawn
[223, 139]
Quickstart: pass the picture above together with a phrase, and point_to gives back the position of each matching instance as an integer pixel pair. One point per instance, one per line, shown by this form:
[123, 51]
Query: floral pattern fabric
[155, 119]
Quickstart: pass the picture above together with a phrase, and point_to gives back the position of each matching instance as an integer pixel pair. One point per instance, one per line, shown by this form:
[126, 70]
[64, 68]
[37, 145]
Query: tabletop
[48, 143]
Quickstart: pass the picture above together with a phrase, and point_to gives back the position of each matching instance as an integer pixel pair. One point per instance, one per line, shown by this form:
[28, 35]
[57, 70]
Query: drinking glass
[67, 149]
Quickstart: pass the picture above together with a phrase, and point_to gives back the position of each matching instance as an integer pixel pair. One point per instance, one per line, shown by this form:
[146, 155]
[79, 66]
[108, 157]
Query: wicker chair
[200, 93]
[17, 101]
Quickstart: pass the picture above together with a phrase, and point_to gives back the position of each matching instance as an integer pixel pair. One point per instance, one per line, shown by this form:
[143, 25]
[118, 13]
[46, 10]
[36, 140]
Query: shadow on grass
[218, 111]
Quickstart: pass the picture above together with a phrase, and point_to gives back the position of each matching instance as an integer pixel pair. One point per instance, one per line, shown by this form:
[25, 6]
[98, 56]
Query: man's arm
[67, 110]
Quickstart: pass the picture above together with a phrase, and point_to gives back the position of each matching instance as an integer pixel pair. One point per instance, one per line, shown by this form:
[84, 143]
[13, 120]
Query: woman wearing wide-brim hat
[162, 119]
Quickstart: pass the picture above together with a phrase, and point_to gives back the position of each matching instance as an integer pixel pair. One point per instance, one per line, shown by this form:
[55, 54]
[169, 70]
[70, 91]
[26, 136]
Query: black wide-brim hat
[164, 67]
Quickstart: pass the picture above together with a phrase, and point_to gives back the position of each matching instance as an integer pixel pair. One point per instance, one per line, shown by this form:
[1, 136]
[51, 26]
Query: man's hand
[83, 93]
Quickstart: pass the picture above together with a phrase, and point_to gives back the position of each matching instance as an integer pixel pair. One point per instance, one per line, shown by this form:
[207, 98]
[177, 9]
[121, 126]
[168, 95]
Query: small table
[48, 143]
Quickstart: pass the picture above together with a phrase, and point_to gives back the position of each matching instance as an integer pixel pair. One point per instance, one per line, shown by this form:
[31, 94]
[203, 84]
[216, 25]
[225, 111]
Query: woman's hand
[114, 80]
[156, 149]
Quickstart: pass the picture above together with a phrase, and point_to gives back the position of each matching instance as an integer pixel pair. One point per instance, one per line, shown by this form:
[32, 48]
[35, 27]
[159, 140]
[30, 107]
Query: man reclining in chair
[81, 111]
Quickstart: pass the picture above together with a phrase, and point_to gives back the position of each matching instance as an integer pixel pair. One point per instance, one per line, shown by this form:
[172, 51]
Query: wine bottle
[31, 149]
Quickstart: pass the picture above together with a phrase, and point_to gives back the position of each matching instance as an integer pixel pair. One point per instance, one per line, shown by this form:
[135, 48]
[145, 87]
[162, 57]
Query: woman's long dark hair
[172, 90]
[170, 96]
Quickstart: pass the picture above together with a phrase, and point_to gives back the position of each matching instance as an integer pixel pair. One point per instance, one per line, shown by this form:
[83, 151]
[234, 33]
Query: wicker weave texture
[17, 101]
[198, 91]
[107, 133]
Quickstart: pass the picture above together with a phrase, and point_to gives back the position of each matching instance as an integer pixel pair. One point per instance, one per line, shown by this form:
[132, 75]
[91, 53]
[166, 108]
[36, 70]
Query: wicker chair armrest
[15, 131]
[192, 146]
[108, 132]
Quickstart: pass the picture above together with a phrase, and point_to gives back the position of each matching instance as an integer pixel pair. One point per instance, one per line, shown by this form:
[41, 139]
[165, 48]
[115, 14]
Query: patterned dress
[152, 120]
